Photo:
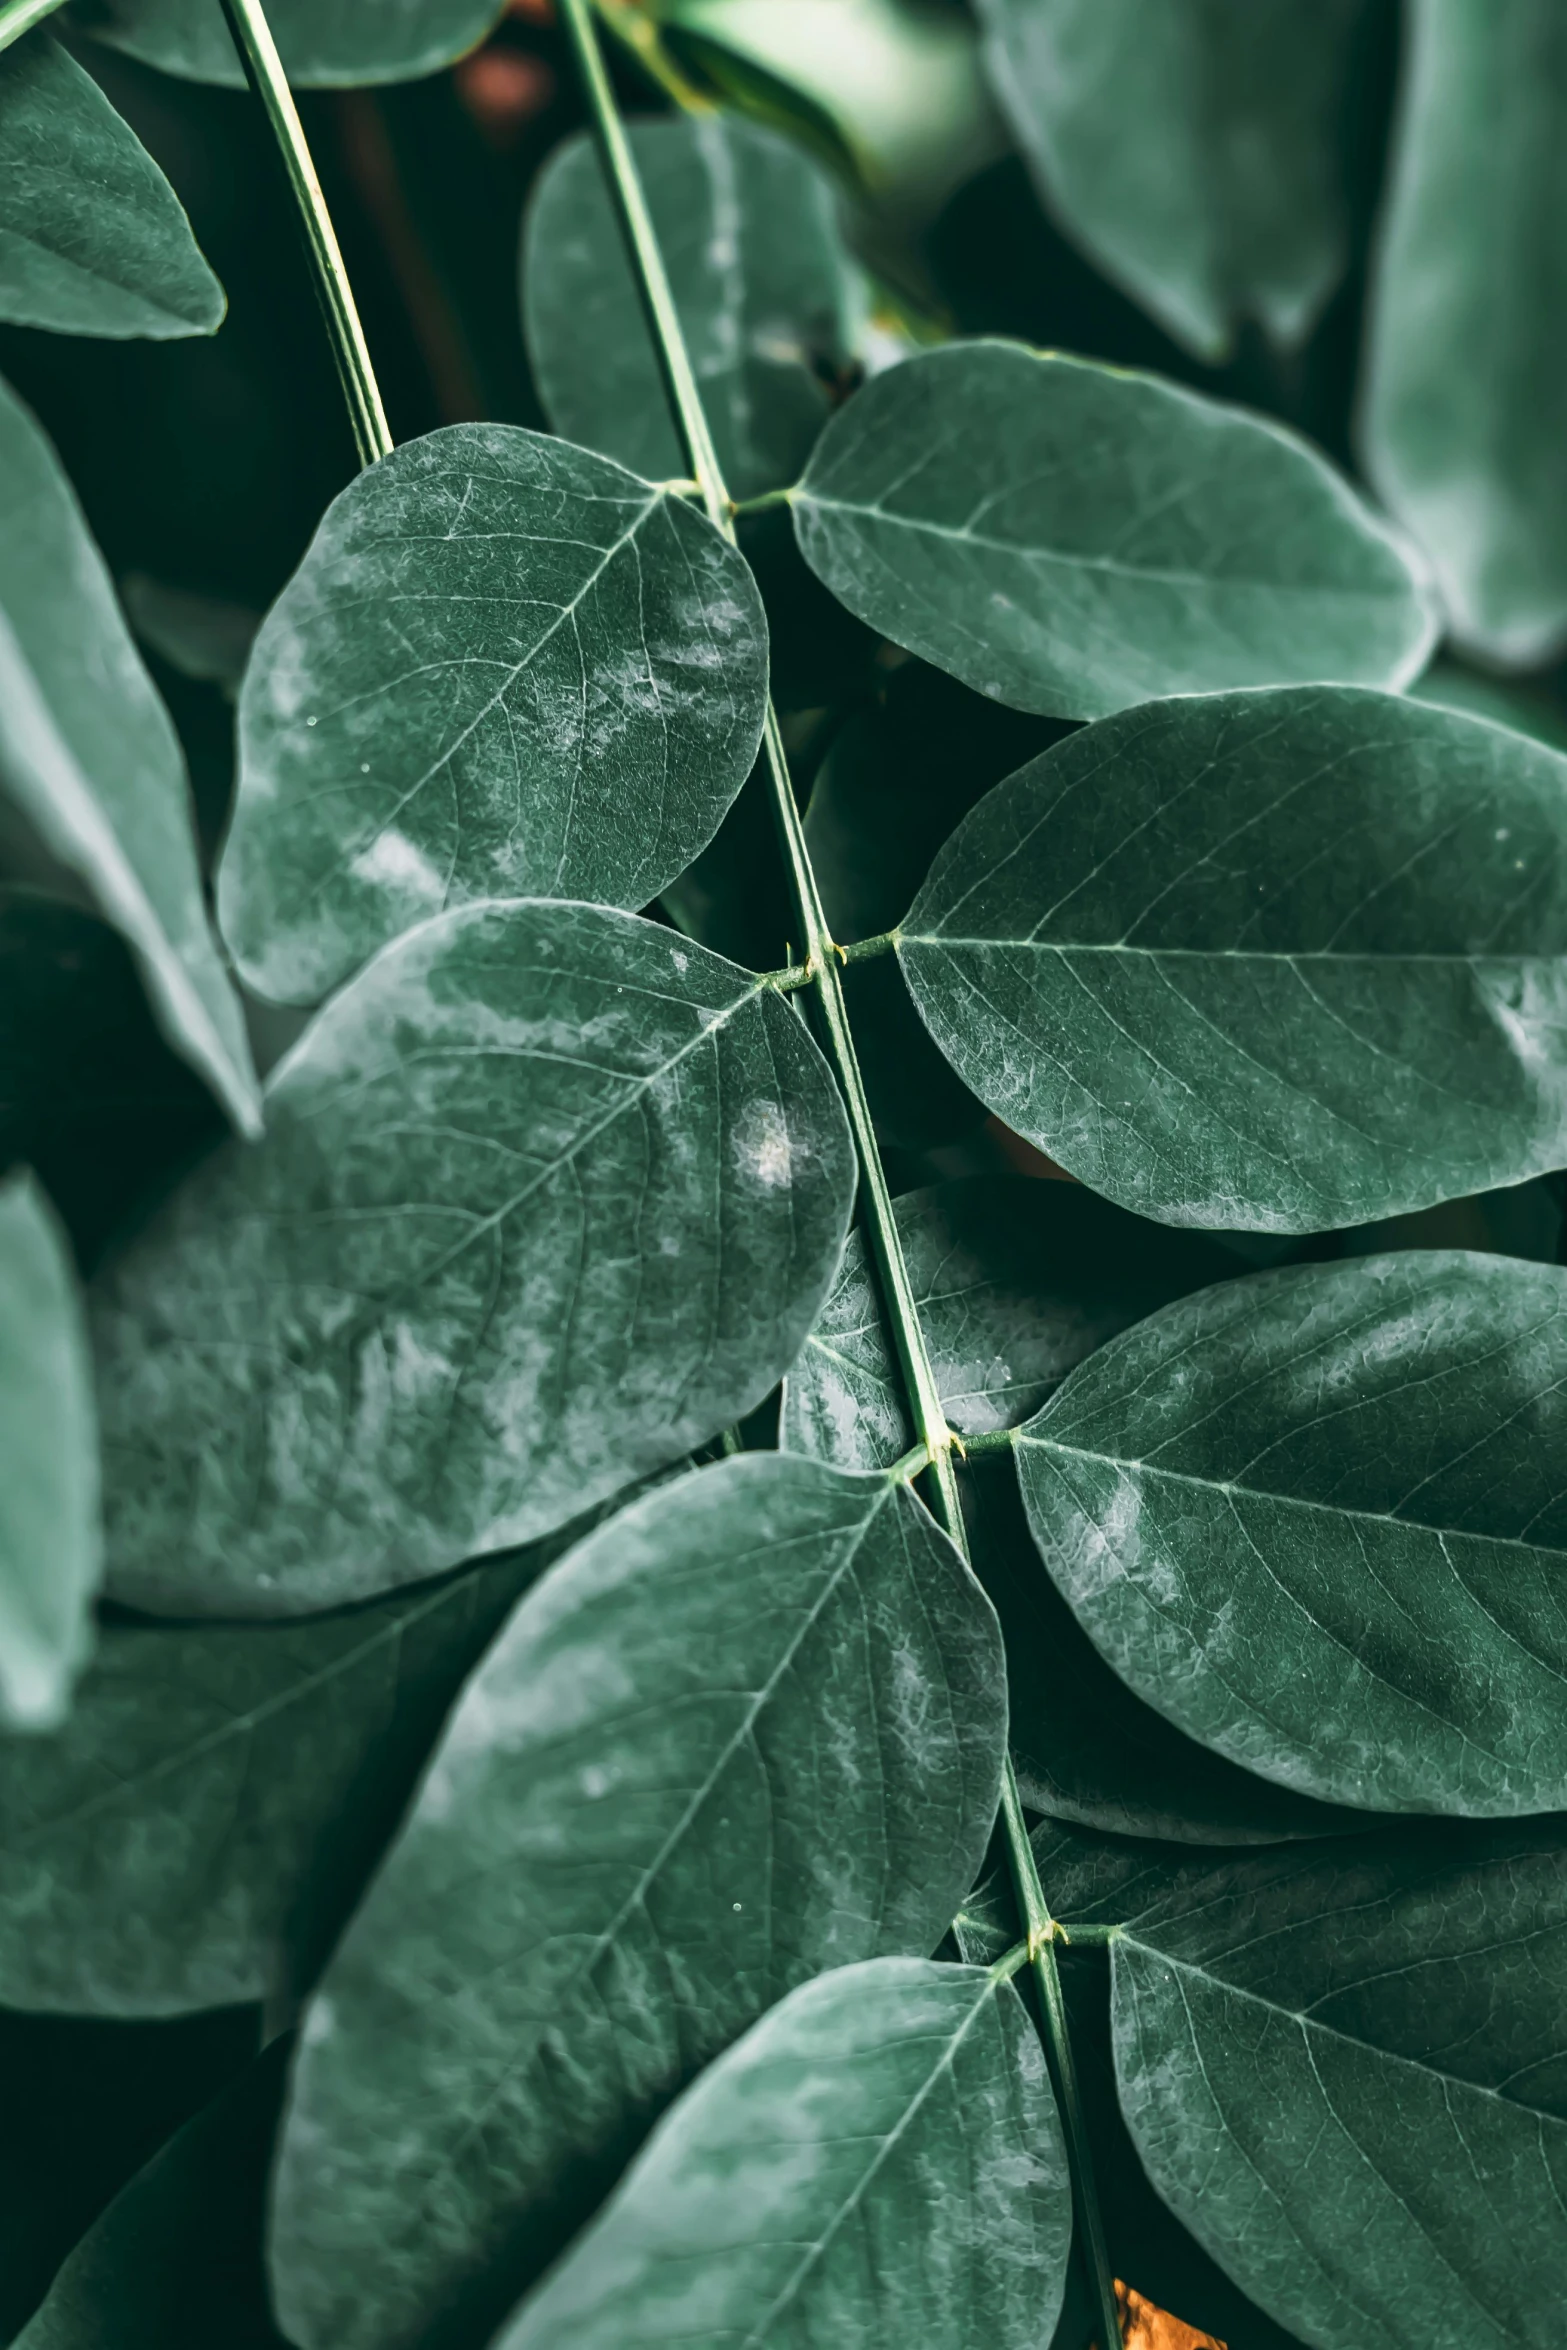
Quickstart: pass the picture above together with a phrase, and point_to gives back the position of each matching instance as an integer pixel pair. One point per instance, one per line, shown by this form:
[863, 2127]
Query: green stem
[823, 962]
[764, 501]
[19, 16]
[264, 72]
[864, 950]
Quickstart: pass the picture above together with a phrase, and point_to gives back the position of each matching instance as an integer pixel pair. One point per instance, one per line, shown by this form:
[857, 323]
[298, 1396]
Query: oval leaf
[1072, 538]
[750, 1729]
[51, 1543]
[1315, 1518]
[879, 2160]
[1464, 358]
[506, 667]
[772, 307]
[1344, 2075]
[1232, 200]
[1284, 960]
[548, 1196]
[89, 758]
[93, 240]
[324, 44]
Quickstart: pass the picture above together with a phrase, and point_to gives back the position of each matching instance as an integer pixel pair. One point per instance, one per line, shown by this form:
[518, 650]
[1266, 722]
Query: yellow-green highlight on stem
[19, 16]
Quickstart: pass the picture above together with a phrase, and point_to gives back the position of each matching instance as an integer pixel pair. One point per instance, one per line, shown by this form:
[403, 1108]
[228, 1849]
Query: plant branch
[264, 72]
[823, 963]
[19, 16]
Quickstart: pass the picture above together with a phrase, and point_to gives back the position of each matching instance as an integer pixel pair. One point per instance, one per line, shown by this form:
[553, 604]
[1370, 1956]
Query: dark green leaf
[750, 1729]
[1315, 1517]
[323, 43]
[200, 636]
[175, 2261]
[197, 1831]
[1071, 538]
[772, 307]
[1285, 960]
[879, 2160]
[1229, 202]
[1015, 1280]
[89, 758]
[1343, 2073]
[51, 1542]
[505, 668]
[548, 1196]
[1466, 341]
[92, 237]
[1084, 1747]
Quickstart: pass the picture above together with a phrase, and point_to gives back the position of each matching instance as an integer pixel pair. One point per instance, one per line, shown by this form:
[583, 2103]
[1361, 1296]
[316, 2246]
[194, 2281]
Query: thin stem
[865, 950]
[19, 16]
[823, 962]
[764, 501]
[264, 72]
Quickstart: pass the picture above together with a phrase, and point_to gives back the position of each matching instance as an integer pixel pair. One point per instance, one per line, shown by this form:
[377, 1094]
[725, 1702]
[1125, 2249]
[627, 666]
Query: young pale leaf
[93, 240]
[1072, 538]
[1342, 2071]
[1465, 355]
[772, 306]
[324, 44]
[1230, 202]
[195, 1833]
[548, 1196]
[89, 758]
[1283, 960]
[51, 1542]
[878, 2160]
[1015, 1281]
[1315, 1518]
[506, 667]
[750, 1729]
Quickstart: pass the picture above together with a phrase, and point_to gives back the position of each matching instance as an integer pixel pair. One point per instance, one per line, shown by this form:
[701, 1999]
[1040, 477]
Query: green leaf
[90, 760]
[1284, 960]
[51, 1542]
[548, 1196]
[90, 1096]
[1084, 1747]
[505, 668]
[1465, 355]
[324, 44]
[750, 1729]
[1015, 1281]
[1527, 709]
[1314, 1517]
[196, 1832]
[1343, 2074]
[1071, 538]
[1230, 202]
[878, 2160]
[93, 240]
[772, 307]
[175, 2261]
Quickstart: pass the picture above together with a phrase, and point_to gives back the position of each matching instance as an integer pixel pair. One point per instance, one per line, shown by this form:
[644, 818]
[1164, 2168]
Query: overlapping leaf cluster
[606, 1790]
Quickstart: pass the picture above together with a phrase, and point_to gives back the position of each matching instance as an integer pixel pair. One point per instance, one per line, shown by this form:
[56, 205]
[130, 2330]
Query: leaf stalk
[247, 22]
[19, 16]
[823, 963]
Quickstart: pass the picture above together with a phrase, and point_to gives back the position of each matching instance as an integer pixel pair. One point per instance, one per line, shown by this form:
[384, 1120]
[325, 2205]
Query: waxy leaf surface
[750, 1729]
[1071, 538]
[1342, 2070]
[548, 1196]
[1015, 1281]
[505, 668]
[51, 1541]
[93, 240]
[194, 1834]
[1315, 1517]
[324, 44]
[878, 2160]
[1230, 202]
[91, 762]
[1284, 960]
[771, 305]
[1467, 341]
